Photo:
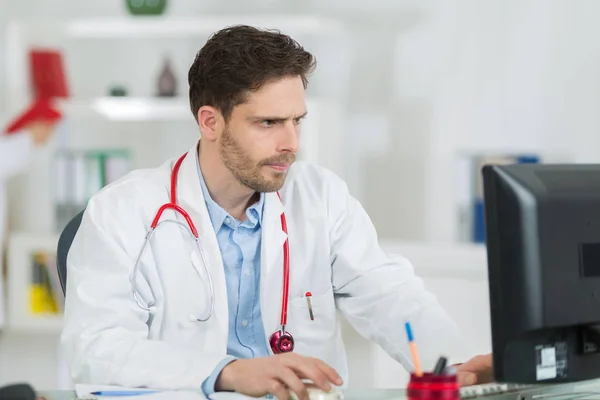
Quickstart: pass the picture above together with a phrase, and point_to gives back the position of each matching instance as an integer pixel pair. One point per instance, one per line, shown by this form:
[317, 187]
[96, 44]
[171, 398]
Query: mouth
[279, 167]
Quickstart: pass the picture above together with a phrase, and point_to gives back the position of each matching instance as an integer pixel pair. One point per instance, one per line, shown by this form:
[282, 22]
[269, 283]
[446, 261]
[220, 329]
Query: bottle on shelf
[167, 83]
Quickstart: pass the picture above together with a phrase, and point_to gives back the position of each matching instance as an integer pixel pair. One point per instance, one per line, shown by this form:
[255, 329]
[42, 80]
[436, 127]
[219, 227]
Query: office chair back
[17, 391]
[64, 244]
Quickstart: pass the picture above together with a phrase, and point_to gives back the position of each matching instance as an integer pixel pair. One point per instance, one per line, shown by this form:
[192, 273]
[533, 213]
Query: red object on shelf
[41, 110]
[48, 81]
[47, 74]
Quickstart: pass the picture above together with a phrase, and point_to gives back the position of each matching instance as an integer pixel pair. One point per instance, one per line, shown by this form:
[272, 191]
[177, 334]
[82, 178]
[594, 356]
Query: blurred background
[409, 99]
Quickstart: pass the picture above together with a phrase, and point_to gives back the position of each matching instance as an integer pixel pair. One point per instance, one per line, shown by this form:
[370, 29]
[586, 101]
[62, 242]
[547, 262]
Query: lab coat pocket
[313, 336]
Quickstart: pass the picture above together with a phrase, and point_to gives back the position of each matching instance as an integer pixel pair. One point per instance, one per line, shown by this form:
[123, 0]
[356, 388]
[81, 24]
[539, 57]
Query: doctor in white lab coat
[247, 93]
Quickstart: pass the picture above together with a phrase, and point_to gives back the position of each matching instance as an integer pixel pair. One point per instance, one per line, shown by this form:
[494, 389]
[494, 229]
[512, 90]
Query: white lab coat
[109, 339]
[15, 155]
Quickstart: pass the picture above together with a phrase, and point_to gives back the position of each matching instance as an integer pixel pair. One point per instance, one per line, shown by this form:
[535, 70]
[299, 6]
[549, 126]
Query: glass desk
[588, 390]
[357, 394]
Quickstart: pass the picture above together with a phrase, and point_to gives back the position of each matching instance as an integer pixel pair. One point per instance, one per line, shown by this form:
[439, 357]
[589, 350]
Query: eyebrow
[276, 119]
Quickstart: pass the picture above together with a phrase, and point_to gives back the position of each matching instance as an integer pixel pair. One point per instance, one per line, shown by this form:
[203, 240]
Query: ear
[209, 122]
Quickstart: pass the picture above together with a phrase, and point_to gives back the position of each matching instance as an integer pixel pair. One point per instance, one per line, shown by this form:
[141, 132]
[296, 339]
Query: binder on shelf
[35, 299]
[45, 293]
[79, 174]
[471, 209]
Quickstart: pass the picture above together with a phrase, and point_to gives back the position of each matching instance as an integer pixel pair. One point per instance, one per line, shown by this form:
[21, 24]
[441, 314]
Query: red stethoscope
[280, 341]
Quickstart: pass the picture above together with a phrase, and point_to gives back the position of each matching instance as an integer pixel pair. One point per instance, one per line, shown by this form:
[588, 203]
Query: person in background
[16, 151]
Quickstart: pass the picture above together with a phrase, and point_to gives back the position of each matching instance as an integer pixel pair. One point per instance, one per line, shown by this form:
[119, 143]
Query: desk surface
[363, 394]
[553, 392]
[357, 394]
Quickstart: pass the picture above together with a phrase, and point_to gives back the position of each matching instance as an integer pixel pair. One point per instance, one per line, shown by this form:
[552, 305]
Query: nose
[289, 138]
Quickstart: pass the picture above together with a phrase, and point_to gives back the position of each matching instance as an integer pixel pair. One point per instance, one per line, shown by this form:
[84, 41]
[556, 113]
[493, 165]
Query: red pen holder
[433, 387]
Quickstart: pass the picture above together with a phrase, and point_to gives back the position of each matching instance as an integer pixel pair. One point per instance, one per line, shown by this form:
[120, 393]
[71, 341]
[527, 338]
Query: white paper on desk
[187, 395]
[170, 395]
[84, 391]
[230, 396]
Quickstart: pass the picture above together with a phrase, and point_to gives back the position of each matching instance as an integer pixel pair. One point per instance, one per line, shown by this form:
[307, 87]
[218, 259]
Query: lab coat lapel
[271, 283]
[191, 199]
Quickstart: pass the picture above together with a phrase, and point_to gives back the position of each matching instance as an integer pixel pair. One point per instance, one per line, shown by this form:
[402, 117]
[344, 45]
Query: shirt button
[246, 272]
[227, 220]
[245, 323]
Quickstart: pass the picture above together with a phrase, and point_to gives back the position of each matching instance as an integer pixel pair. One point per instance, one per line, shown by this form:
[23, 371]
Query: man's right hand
[277, 375]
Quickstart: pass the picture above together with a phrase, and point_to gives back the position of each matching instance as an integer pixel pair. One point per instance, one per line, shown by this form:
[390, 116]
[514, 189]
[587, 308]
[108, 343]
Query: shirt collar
[219, 216]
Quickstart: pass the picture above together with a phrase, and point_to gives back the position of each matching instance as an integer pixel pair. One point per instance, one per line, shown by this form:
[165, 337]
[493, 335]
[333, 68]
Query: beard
[247, 171]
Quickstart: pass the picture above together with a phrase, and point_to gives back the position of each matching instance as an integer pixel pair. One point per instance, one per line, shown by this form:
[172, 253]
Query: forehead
[283, 98]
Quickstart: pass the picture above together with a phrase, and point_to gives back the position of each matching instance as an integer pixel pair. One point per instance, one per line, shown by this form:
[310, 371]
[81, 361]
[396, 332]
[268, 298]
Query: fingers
[316, 370]
[466, 378]
[330, 373]
[477, 362]
[315, 375]
[477, 370]
[290, 380]
[278, 390]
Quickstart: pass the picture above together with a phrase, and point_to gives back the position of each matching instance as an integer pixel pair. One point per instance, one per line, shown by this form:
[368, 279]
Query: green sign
[146, 7]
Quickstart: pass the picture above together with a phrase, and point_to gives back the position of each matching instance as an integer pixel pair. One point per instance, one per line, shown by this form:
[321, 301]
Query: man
[217, 318]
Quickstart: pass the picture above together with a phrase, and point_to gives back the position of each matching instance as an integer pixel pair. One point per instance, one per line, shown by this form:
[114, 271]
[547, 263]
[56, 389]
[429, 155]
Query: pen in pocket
[310, 310]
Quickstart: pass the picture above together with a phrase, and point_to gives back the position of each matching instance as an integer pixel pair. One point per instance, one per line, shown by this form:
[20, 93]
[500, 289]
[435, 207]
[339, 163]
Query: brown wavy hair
[240, 59]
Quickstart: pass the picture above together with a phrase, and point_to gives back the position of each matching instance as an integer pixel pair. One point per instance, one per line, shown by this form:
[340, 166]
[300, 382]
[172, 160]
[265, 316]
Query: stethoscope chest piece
[281, 342]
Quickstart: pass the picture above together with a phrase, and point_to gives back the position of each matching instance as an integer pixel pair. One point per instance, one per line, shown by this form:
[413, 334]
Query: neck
[222, 186]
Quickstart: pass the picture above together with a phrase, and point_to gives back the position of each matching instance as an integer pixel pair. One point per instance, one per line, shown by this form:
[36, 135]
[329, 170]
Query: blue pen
[123, 393]
[413, 350]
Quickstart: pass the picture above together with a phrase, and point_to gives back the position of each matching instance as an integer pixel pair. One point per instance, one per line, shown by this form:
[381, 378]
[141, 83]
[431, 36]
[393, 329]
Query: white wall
[469, 76]
[517, 76]
[418, 81]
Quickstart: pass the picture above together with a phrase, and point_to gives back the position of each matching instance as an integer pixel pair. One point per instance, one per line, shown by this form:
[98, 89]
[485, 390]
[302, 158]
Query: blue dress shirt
[240, 244]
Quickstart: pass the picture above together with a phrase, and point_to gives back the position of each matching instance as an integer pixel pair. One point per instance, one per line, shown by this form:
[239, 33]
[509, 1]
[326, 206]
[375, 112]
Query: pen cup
[433, 387]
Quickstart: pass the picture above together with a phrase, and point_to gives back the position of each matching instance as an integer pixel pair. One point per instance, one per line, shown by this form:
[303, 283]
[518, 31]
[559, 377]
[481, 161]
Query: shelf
[131, 108]
[36, 324]
[140, 108]
[106, 28]
[21, 248]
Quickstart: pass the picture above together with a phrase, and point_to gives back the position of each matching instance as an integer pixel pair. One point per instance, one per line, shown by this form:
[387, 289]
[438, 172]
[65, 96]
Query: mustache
[288, 158]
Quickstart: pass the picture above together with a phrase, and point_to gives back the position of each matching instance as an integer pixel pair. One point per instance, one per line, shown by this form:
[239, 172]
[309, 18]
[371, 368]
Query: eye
[297, 121]
[267, 123]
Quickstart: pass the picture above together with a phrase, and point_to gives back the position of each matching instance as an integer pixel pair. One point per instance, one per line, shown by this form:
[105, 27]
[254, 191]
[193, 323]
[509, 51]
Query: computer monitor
[543, 250]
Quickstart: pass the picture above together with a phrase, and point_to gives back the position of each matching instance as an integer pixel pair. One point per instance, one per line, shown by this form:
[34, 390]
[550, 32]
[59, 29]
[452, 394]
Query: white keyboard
[492, 389]
[515, 391]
